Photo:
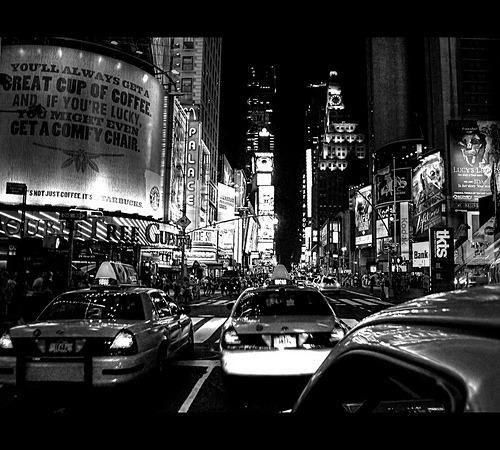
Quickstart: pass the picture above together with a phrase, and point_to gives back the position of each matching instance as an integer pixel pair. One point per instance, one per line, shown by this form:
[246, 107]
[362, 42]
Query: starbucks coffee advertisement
[96, 142]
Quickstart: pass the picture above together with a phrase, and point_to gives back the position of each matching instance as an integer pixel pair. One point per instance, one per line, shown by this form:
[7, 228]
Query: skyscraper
[261, 90]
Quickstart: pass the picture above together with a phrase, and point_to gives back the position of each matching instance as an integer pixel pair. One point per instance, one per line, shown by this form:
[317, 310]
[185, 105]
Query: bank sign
[442, 258]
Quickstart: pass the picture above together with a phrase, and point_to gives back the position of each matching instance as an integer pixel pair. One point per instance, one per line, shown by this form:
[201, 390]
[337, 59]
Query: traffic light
[56, 242]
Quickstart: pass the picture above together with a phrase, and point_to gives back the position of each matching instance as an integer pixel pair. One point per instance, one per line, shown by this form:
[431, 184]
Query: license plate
[61, 347]
[285, 341]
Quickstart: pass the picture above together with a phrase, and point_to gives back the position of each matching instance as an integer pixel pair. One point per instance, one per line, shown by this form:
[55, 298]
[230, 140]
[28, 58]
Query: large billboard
[226, 211]
[363, 216]
[392, 183]
[97, 145]
[428, 194]
[470, 171]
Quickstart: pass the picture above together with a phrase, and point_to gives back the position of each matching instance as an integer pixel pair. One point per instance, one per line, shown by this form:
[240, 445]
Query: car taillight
[124, 343]
[320, 340]
[337, 334]
[230, 337]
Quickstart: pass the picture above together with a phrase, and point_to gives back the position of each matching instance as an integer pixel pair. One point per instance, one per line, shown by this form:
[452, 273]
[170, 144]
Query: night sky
[297, 63]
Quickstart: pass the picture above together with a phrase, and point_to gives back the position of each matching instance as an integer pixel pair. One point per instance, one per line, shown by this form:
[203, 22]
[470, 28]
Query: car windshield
[282, 303]
[109, 306]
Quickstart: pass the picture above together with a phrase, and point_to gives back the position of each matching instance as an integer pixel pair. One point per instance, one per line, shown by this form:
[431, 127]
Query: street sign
[183, 222]
[16, 188]
[72, 215]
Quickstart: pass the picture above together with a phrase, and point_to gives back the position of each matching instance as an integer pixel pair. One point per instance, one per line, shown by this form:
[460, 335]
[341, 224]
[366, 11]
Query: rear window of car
[109, 306]
[329, 281]
[282, 303]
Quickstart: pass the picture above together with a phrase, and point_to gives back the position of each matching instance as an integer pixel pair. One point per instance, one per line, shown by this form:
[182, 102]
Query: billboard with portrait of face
[427, 193]
[96, 143]
[470, 168]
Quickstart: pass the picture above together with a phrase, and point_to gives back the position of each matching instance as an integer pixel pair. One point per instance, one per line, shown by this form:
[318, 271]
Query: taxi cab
[113, 333]
[439, 353]
[277, 331]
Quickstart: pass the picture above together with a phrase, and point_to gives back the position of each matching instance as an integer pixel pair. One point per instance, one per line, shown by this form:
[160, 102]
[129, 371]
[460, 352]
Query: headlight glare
[6, 342]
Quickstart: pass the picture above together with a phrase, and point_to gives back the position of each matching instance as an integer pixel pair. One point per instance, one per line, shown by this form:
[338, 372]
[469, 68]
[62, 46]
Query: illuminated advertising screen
[266, 199]
[226, 204]
[386, 188]
[96, 144]
[470, 170]
[427, 194]
[363, 209]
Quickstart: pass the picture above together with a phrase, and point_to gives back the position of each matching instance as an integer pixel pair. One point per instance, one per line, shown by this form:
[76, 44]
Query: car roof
[471, 307]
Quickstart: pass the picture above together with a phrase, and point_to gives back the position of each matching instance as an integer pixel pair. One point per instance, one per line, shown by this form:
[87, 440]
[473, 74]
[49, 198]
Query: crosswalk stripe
[350, 322]
[366, 302]
[220, 302]
[208, 328]
[349, 302]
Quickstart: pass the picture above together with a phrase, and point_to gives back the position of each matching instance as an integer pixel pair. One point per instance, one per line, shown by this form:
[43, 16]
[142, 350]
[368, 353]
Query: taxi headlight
[6, 342]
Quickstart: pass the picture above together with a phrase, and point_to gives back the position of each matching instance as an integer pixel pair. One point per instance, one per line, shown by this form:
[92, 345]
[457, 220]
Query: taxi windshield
[282, 303]
[95, 305]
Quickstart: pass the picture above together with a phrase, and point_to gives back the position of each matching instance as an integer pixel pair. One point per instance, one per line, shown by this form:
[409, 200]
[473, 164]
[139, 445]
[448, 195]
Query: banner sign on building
[363, 217]
[441, 241]
[427, 194]
[404, 230]
[192, 175]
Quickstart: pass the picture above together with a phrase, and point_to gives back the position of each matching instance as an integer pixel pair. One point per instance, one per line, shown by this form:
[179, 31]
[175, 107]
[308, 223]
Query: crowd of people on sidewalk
[23, 298]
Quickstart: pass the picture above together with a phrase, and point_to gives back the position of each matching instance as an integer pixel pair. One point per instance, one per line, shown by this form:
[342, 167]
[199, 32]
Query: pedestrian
[426, 281]
[10, 287]
[372, 283]
[385, 286]
[196, 289]
[37, 283]
[177, 290]
[382, 288]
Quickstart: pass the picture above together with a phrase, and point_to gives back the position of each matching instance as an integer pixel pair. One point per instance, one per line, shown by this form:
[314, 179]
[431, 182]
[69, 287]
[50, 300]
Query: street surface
[194, 385]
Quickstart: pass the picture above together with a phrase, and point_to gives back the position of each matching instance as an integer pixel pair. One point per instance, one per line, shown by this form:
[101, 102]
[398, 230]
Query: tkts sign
[442, 258]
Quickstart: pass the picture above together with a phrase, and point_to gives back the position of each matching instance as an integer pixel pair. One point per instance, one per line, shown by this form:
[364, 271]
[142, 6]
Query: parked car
[106, 335]
[436, 354]
[277, 331]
